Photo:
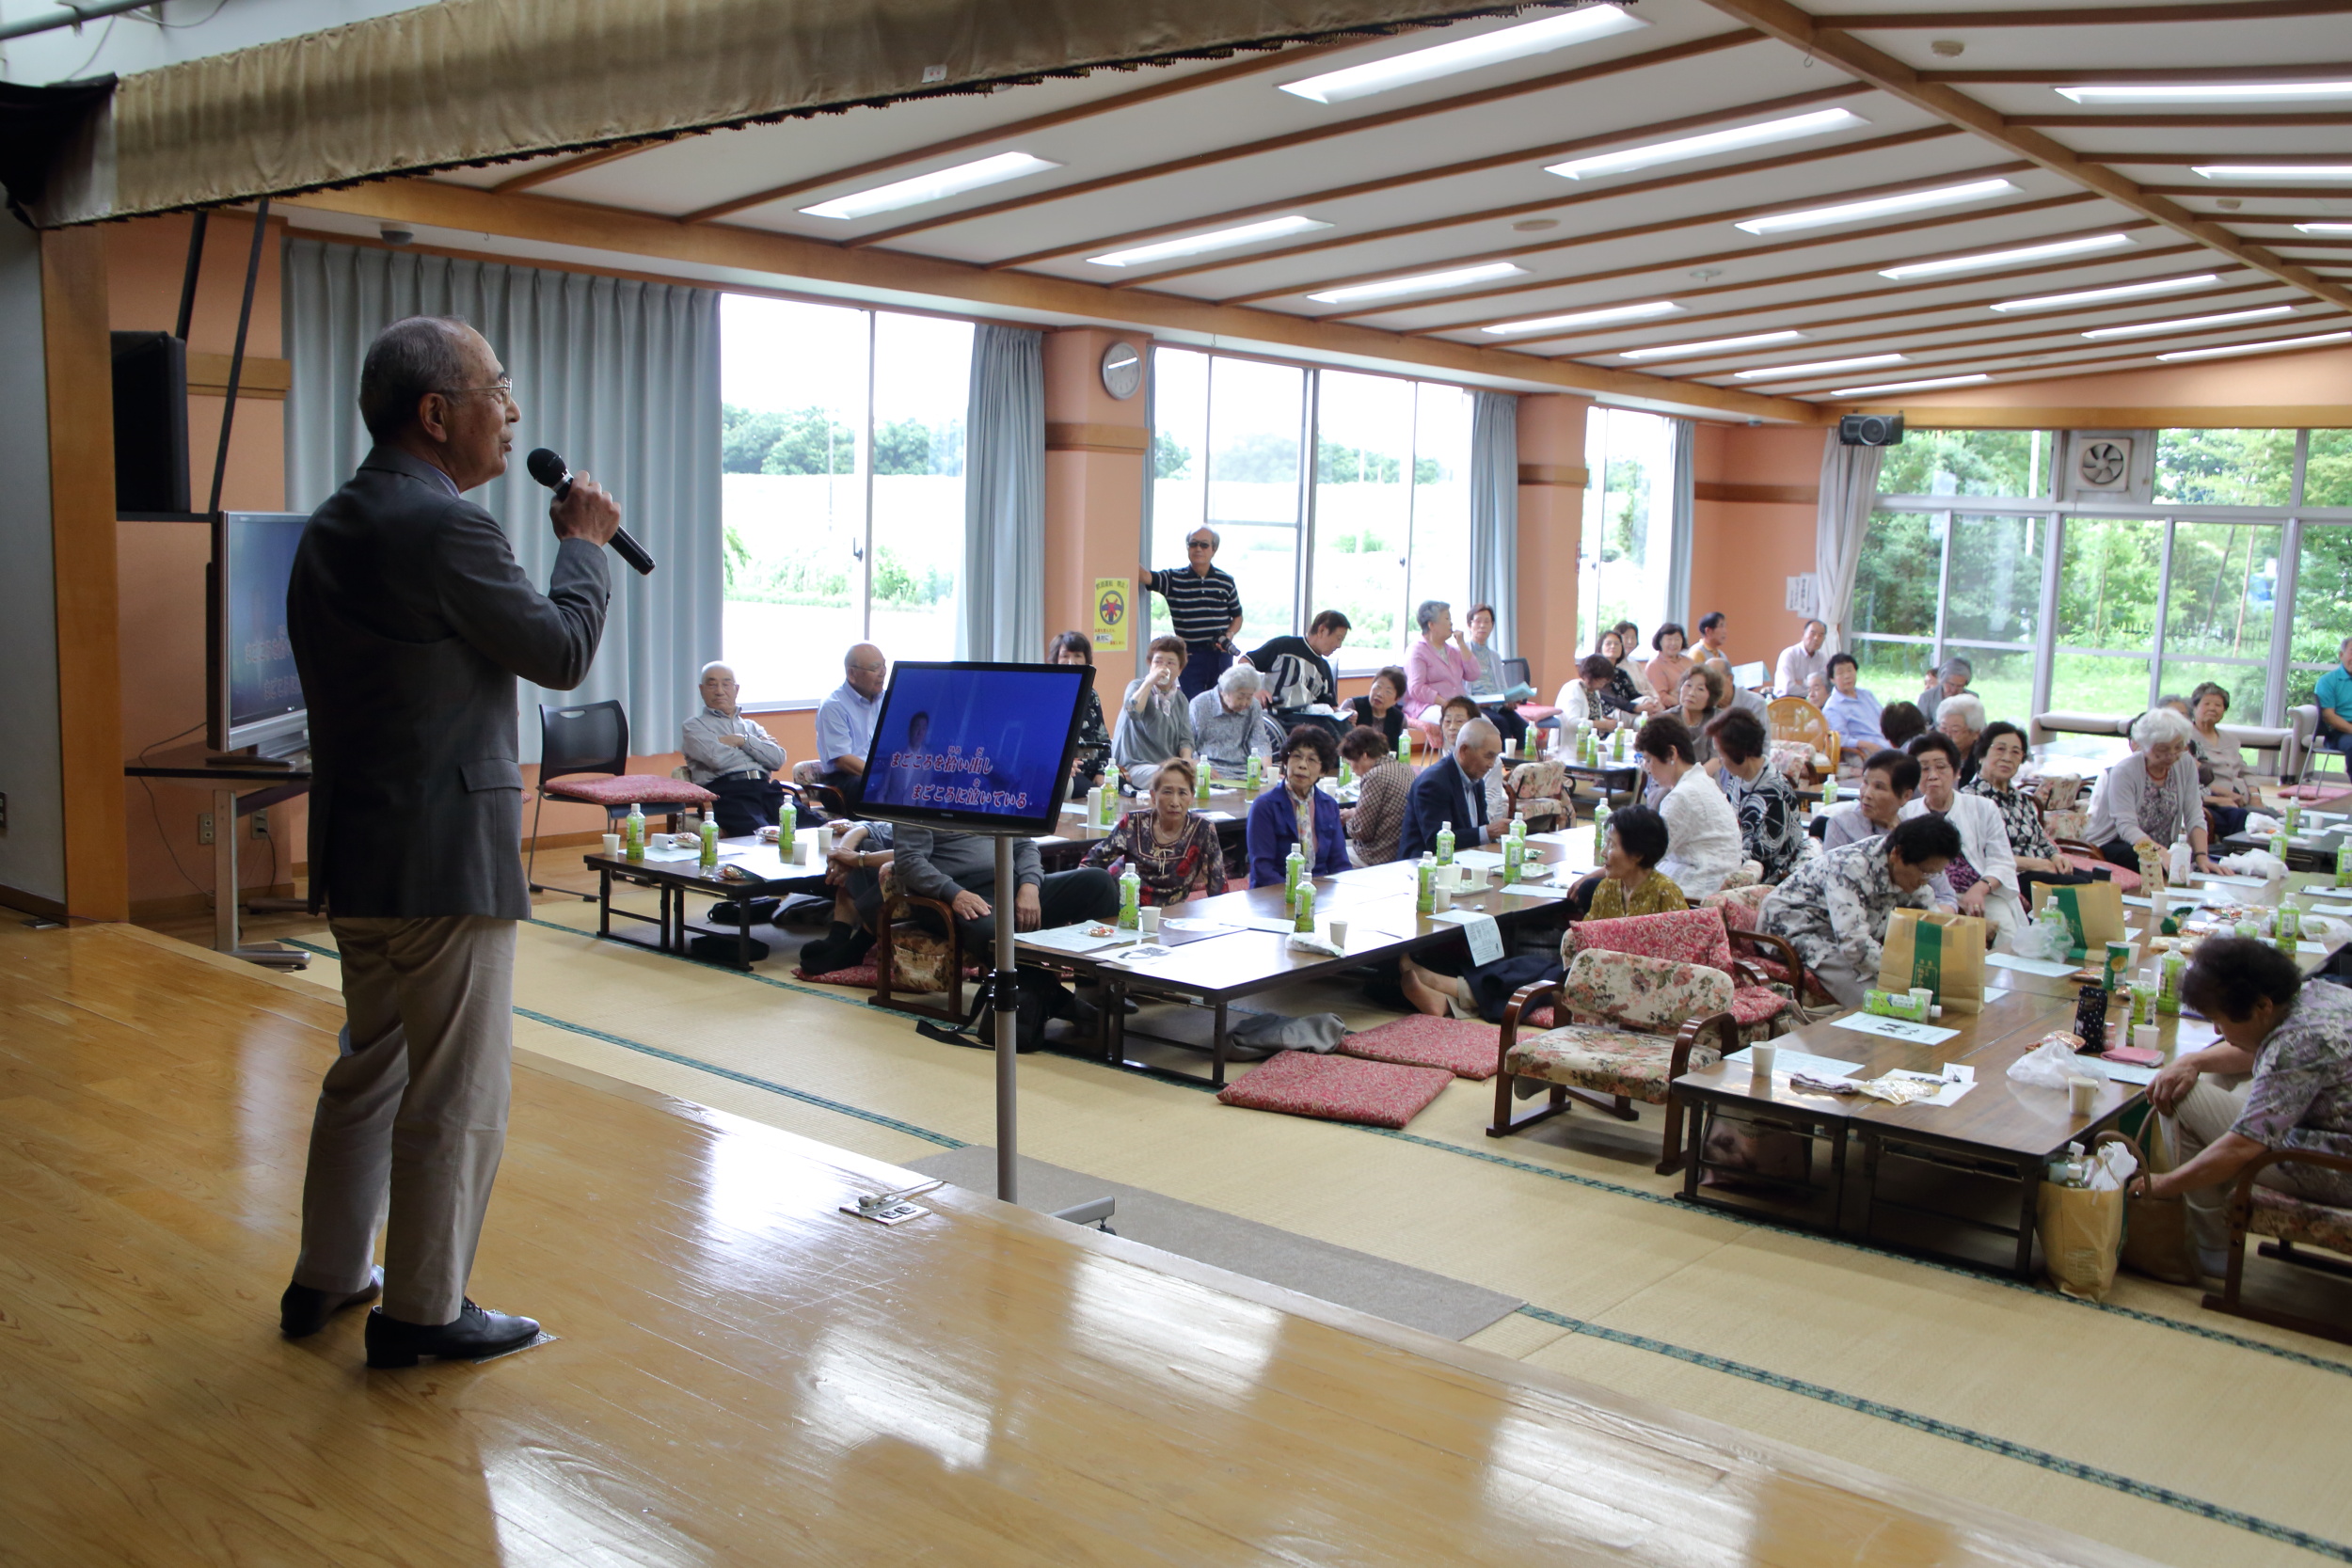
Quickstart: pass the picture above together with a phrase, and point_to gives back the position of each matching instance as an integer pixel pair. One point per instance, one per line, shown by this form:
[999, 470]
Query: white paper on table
[1269, 923]
[654, 854]
[1560, 836]
[2030, 966]
[1215, 816]
[1074, 808]
[1486, 936]
[1142, 953]
[1896, 1028]
[1175, 925]
[1958, 1078]
[1077, 939]
[2128, 1073]
[1785, 1060]
[1535, 890]
[1478, 856]
[2227, 881]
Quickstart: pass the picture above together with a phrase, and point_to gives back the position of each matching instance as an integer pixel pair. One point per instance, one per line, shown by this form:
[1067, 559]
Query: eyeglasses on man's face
[503, 386]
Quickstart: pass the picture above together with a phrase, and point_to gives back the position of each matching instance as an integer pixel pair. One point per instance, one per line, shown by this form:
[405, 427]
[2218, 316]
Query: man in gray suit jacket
[410, 623]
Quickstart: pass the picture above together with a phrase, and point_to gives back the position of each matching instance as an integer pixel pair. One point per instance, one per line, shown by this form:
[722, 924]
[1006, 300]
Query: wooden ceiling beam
[1672, 53]
[2273, 192]
[577, 165]
[2082, 15]
[1255, 65]
[1802, 30]
[877, 276]
[2070, 366]
[1551, 202]
[1448, 172]
[2085, 77]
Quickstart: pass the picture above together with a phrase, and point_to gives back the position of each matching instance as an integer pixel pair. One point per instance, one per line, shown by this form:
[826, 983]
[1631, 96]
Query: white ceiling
[1385, 172]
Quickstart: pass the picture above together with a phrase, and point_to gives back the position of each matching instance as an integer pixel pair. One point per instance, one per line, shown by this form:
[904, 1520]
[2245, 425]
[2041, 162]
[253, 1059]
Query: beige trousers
[2209, 1110]
[412, 1115]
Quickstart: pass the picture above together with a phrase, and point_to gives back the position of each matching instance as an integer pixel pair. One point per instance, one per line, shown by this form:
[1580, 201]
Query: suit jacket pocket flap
[492, 774]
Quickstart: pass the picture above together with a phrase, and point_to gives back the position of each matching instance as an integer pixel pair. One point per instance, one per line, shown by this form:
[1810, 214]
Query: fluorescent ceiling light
[2185, 323]
[1848, 212]
[1814, 124]
[2324, 228]
[1419, 283]
[1445, 59]
[1711, 346]
[2271, 346]
[2122, 291]
[1587, 318]
[1818, 367]
[2275, 171]
[935, 187]
[1216, 239]
[2006, 258]
[1910, 386]
[2209, 92]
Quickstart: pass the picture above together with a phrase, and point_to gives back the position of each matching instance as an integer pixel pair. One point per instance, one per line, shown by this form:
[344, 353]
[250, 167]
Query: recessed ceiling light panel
[2006, 258]
[1910, 386]
[1216, 239]
[1819, 123]
[2324, 228]
[935, 187]
[1818, 367]
[2190, 323]
[1388, 288]
[2269, 346]
[2209, 92]
[1881, 206]
[1446, 60]
[1585, 318]
[1711, 346]
[2122, 291]
[2275, 171]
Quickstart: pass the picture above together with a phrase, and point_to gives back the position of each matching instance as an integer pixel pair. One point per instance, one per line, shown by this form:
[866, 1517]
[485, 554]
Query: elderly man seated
[732, 756]
[1834, 910]
[1229, 728]
[2280, 1078]
[1948, 679]
[1851, 709]
[1453, 792]
[1801, 661]
[1155, 722]
[845, 720]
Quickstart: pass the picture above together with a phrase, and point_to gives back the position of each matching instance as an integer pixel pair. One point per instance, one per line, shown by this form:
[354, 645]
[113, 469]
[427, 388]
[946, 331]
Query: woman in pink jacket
[1435, 668]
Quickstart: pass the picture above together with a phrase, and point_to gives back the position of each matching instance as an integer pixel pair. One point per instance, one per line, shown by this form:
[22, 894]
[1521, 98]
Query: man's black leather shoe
[302, 1311]
[476, 1333]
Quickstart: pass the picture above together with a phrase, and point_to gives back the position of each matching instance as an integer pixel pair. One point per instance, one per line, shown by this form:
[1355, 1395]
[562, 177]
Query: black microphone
[550, 470]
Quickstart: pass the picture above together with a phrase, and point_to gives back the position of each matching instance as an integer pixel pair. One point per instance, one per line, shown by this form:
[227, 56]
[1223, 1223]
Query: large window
[1627, 548]
[2144, 600]
[843, 489]
[1380, 521]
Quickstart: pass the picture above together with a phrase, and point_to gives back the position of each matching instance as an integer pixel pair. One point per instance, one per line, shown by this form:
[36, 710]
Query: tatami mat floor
[2187, 1436]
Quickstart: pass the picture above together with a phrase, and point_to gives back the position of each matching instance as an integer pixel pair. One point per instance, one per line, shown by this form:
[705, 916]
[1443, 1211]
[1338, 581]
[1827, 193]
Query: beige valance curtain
[474, 81]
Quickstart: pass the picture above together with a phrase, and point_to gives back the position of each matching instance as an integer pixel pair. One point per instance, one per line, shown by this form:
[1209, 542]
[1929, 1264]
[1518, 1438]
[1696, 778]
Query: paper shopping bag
[2093, 912]
[2156, 1240]
[1942, 952]
[2082, 1233]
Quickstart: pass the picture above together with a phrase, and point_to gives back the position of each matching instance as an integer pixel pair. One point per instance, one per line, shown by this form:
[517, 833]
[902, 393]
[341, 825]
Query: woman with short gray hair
[1228, 724]
[1433, 669]
[2152, 796]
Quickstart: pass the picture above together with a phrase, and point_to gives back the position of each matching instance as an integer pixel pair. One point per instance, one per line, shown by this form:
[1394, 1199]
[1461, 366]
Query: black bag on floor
[723, 950]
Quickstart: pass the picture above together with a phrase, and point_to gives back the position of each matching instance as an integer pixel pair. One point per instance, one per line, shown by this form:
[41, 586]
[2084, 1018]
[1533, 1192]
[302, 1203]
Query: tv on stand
[253, 696]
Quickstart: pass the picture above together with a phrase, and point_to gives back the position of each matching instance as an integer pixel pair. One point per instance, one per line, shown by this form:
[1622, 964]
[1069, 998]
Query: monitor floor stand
[1000, 993]
[224, 875]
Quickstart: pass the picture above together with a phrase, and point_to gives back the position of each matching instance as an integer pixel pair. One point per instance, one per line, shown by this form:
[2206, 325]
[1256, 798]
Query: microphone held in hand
[551, 470]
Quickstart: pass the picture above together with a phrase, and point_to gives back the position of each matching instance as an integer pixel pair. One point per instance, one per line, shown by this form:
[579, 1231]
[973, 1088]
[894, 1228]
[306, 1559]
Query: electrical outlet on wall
[204, 828]
[3, 813]
[260, 824]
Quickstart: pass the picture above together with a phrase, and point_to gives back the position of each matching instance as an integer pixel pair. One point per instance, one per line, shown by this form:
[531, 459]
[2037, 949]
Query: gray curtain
[1494, 510]
[1682, 435]
[620, 376]
[1003, 498]
[1849, 488]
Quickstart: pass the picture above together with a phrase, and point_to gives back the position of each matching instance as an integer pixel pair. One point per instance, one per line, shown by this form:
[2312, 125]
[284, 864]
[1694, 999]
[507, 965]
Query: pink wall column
[1551, 517]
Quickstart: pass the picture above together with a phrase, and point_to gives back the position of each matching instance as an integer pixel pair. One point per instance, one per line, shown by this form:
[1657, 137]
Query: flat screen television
[253, 697]
[976, 748]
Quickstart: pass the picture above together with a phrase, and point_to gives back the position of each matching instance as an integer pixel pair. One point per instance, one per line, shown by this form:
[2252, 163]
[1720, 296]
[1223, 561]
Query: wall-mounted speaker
[1870, 430]
[150, 423]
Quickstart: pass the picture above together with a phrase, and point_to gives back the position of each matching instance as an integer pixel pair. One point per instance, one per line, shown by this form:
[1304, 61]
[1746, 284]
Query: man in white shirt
[1985, 877]
[1801, 661]
[1702, 830]
[845, 720]
[732, 756]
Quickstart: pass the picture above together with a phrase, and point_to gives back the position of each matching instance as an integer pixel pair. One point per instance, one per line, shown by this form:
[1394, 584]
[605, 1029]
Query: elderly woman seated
[1383, 707]
[1229, 724]
[1702, 832]
[1851, 708]
[1628, 882]
[1439, 665]
[1171, 847]
[2001, 752]
[1155, 723]
[2229, 794]
[1592, 698]
[2294, 1038]
[1298, 813]
[1834, 910]
[1960, 719]
[1983, 877]
[1383, 784]
[2150, 797]
[1771, 833]
[1901, 724]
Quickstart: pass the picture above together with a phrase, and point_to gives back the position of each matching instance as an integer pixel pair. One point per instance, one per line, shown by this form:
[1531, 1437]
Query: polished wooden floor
[743, 1374]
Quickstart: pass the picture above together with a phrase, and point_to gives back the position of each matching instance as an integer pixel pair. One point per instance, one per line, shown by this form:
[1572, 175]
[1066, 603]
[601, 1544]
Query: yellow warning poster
[1114, 599]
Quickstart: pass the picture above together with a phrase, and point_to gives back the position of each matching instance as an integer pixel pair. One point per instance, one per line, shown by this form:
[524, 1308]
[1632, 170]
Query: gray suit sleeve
[1028, 870]
[548, 639]
[912, 856]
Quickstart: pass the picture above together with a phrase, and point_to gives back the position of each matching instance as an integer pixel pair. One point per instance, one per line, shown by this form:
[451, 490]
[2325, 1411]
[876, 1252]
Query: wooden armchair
[911, 961]
[1774, 958]
[2295, 1221]
[1795, 718]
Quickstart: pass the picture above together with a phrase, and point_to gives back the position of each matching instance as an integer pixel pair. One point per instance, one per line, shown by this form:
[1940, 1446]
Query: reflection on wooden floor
[743, 1374]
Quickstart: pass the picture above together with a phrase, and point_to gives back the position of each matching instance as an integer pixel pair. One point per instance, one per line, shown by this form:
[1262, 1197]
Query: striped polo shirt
[1201, 608]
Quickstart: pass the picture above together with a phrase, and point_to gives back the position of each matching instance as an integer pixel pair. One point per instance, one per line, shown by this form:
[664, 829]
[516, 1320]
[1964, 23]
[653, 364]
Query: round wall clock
[1122, 369]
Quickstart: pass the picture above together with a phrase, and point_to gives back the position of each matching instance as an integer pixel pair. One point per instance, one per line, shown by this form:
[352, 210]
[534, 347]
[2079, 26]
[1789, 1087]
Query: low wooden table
[675, 882]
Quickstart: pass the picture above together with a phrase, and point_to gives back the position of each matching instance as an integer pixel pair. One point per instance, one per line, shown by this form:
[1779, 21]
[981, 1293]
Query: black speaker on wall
[1870, 430]
[150, 423]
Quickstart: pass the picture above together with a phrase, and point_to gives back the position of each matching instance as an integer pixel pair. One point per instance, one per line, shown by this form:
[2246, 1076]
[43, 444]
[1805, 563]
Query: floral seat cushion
[1464, 1047]
[1627, 990]
[629, 790]
[1604, 1060]
[2297, 1219]
[1743, 907]
[1686, 936]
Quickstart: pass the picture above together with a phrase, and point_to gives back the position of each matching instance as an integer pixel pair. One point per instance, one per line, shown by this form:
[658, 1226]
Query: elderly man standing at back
[845, 720]
[732, 756]
[1204, 605]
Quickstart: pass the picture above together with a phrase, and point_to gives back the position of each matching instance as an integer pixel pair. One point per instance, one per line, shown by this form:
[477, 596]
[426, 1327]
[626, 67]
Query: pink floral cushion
[1338, 1088]
[1463, 1046]
[647, 789]
[2298, 1219]
[1604, 1061]
[2314, 792]
[1686, 936]
[1631, 991]
[1743, 907]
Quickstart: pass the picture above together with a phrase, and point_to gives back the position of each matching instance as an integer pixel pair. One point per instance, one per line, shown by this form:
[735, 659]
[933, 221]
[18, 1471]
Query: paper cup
[1442, 899]
[1761, 1058]
[2144, 1036]
[1339, 934]
[1148, 921]
[613, 847]
[2081, 1094]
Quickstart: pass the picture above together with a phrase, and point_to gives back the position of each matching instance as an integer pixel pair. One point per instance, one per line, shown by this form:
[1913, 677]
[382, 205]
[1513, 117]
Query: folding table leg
[2030, 1192]
[1216, 1049]
[604, 902]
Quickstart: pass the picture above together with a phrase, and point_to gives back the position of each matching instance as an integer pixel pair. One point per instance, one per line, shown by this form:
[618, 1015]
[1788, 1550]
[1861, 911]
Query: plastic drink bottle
[787, 818]
[711, 845]
[1425, 897]
[1094, 806]
[1445, 843]
[2343, 861]
[1600, 832]
[1294, 867]
[1200, 791]
[1514, 856]
[1305, 918]
[633, 834]
[1130, 899]
[1347, 774]
[1404, 750]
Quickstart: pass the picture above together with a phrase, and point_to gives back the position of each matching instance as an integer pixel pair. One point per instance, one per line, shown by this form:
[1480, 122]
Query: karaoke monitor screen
[976, 748]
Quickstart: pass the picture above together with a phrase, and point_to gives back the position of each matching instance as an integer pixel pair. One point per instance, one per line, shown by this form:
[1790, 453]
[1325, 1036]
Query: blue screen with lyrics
[978, 741]
[260, 554]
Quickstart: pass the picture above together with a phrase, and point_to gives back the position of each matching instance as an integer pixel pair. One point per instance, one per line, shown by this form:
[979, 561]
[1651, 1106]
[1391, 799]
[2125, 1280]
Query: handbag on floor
[2157, 1238]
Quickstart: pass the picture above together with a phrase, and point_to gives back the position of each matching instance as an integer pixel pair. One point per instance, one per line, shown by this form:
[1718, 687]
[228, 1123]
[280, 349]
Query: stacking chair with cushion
[1793, 719]
[1700, 936]
[911, 958]
[1517, 672]
[1539, 796]
[1639, 1024]
[1772, 958]
[584, 757]
[2294, 1223]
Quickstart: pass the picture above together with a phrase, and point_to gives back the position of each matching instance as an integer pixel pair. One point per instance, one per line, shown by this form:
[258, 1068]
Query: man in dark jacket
[410, 623]
[1454, 790]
